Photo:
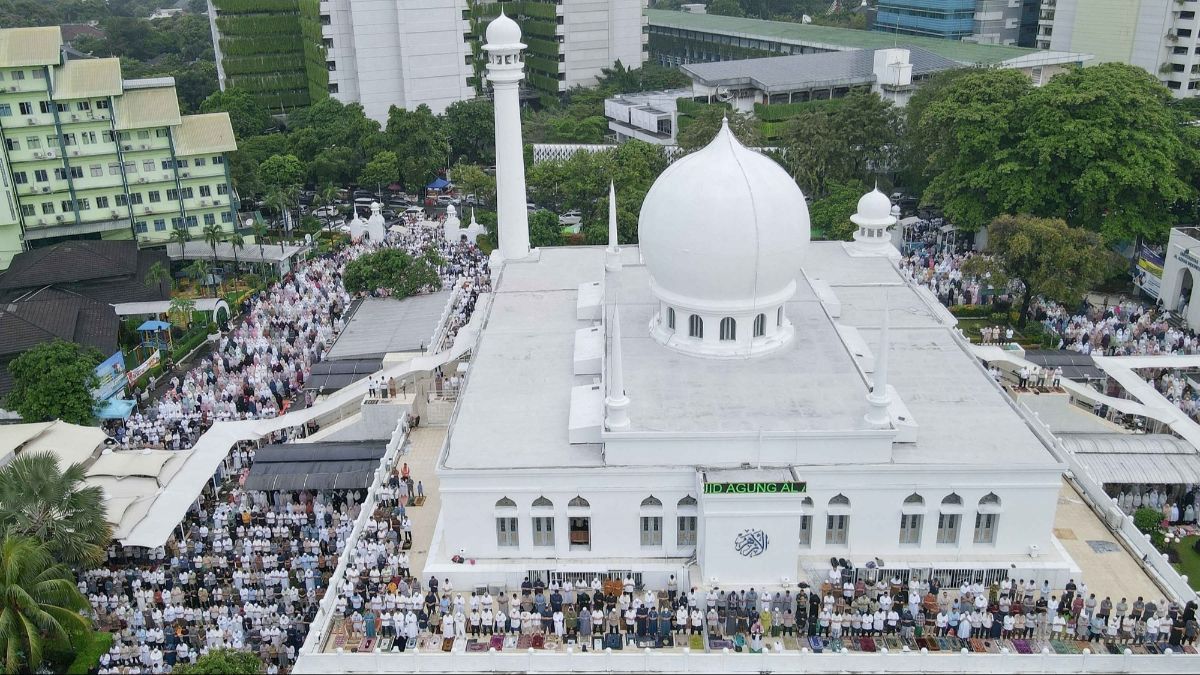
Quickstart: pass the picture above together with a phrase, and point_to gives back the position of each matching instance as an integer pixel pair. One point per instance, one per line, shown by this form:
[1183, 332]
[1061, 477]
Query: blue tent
[438, 184]
[115, 409]
[153, 326]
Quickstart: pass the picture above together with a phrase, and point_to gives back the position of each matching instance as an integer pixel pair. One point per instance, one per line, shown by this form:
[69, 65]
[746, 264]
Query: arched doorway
[1186, 286]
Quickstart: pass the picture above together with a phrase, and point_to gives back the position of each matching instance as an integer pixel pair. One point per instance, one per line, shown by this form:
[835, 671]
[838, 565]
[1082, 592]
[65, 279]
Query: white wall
[597, 33]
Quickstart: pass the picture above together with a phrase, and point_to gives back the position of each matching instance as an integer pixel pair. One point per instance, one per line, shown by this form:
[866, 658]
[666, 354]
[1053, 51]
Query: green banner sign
[753, 488]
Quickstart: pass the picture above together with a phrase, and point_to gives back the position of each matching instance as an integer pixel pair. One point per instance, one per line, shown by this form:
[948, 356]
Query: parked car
[364, 201]
[531, 207]
[446, 200]
[325, 212]
[414, 211]
[570, 218]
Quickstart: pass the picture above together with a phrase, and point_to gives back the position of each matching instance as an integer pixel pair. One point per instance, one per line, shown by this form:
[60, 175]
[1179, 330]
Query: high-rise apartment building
[1161, 36]
[87, 154]
[260, 47]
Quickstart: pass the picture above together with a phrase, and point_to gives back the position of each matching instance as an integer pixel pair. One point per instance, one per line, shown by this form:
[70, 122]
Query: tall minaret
[616, 403]
[505, 69]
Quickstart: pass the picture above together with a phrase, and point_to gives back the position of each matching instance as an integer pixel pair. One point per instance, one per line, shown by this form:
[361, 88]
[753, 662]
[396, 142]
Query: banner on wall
[146, 365]
[1148, 271]
[111, 375]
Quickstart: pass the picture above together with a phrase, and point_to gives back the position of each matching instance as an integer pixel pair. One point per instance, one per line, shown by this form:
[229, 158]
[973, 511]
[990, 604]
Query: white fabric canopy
[13, 436]
[148, 463]
[214, 445]
[72, 443]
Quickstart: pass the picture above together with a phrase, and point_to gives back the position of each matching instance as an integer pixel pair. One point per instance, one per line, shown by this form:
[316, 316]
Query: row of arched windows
[581, 503]
[728, 325]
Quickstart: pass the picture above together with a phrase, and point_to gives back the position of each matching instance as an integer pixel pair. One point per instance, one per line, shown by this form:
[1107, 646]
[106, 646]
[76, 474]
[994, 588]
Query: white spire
[879, 400]
[616, 403]
[612, 257]
[473, 216]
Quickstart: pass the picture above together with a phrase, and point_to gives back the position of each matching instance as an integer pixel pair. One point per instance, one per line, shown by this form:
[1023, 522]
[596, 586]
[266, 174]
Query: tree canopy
[54, 380]
[703, 126]
[830, 215]
[395, 271]
[1045, 256]
[381, 171]
[852, 139]
[246, 114]
[42, 607]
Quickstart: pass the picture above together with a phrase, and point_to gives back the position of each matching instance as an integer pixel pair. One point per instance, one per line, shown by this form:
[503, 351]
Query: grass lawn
[1189, 561]
[971, 327]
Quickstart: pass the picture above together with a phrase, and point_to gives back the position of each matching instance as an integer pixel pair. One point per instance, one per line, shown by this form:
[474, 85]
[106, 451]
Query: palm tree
[237, 241]
[39, 500]
[260, 233]
[156, 275]
[40, 604]
[212, 236]
[199, 271]
[181, 311]
[181, 237]
[327, 196]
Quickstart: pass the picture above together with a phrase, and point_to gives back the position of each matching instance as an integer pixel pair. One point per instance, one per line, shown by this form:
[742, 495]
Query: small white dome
[723, 229]
[503, 31]
[874, 208]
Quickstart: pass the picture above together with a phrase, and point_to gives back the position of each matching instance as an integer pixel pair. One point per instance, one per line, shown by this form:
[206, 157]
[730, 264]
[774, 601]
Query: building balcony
[37, 189]
[151, 177]
[198, 172]
[202, 203]
[32, 121]
[140, 145]
[83, 116]
[22, 86]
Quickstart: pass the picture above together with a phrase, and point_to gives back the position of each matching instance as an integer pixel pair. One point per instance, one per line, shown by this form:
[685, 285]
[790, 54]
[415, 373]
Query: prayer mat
[978, 646]
[739, 642]
[646, 643]
[866, 644]
[1113, 648]
[385, 644]
[893, 644]
[1063, 647]
[538, 641]
[474, 646]
[946, 644]
[836, 645]
[1152, 648]
[930, 643]
[366, 645]
[1021, 647]
[552, 643]
[1188, 649]
[696, 642]
[497, 642]
[339, 640]
[447, 644]
[717, 644]
[613, 641]
[418, 501]
[525, 642]
[816, 644]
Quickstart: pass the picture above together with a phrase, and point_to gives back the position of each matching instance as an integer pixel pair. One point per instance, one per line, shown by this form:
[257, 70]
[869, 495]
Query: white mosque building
[727, 402]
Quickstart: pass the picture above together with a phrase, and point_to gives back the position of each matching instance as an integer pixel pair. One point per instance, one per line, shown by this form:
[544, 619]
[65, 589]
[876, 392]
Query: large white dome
[724, 229]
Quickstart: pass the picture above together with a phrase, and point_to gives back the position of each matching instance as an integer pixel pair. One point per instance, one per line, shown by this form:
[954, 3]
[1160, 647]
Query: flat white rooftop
[515, 408]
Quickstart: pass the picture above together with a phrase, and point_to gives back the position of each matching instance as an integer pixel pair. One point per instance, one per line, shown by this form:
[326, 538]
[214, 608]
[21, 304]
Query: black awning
[331, 376]
[315, 466]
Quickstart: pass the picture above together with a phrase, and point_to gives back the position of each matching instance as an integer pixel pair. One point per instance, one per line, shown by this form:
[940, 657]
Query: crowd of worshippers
[1123, 329]
[248, 569]
[247, 573]
[1179, 503]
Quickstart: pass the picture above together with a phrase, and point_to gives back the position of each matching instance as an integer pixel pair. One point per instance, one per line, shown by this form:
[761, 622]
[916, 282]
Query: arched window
[671, 318]
[687, 502]
[695, 326]
[579, 503]
[990, 503]
[779, 317]
[806, 522]
[506, 523]
[914, 501]
[840, 500]
[542, 503]
[651, 502]
[685, 522]
[952, 500]
[505, 503]
[760, 325]
[837, 521]
[728, 328]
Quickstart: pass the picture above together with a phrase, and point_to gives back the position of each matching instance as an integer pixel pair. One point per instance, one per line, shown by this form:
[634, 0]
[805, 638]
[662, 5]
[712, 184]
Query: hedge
[187, 343]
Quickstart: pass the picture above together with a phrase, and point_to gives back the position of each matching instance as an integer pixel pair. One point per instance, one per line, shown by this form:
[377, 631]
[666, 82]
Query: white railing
[319, 627]
[651, 661]
[440, 330]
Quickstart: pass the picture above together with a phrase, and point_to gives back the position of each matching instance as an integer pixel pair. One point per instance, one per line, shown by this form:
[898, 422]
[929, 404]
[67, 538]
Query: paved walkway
[1113, 572]
[424, 445]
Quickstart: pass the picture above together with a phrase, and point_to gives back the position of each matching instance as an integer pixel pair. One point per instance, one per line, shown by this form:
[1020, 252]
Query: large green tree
[380, 172]
[544, 229]
[281, 172]
[836, 142]
[471, 128]
[971, 131]
[222, 662]
[54, 380]
[830, 215]
[246, 114]
[395, 271]
[420, 142]
[1103, 148]
[41, 500]
[40, 606]
[1045, 256]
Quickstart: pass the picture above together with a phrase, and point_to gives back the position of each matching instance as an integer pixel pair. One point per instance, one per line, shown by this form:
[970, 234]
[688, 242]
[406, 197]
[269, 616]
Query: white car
[414, 211]
[570, 218]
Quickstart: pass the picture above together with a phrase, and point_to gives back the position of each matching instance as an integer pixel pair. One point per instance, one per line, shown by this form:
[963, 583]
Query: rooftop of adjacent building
[799, 71]
[837, 39]
[514, 410]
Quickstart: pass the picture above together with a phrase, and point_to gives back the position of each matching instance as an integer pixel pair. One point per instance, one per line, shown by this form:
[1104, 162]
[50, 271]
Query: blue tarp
[438, 184]
[152, 325]
[115, 409]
